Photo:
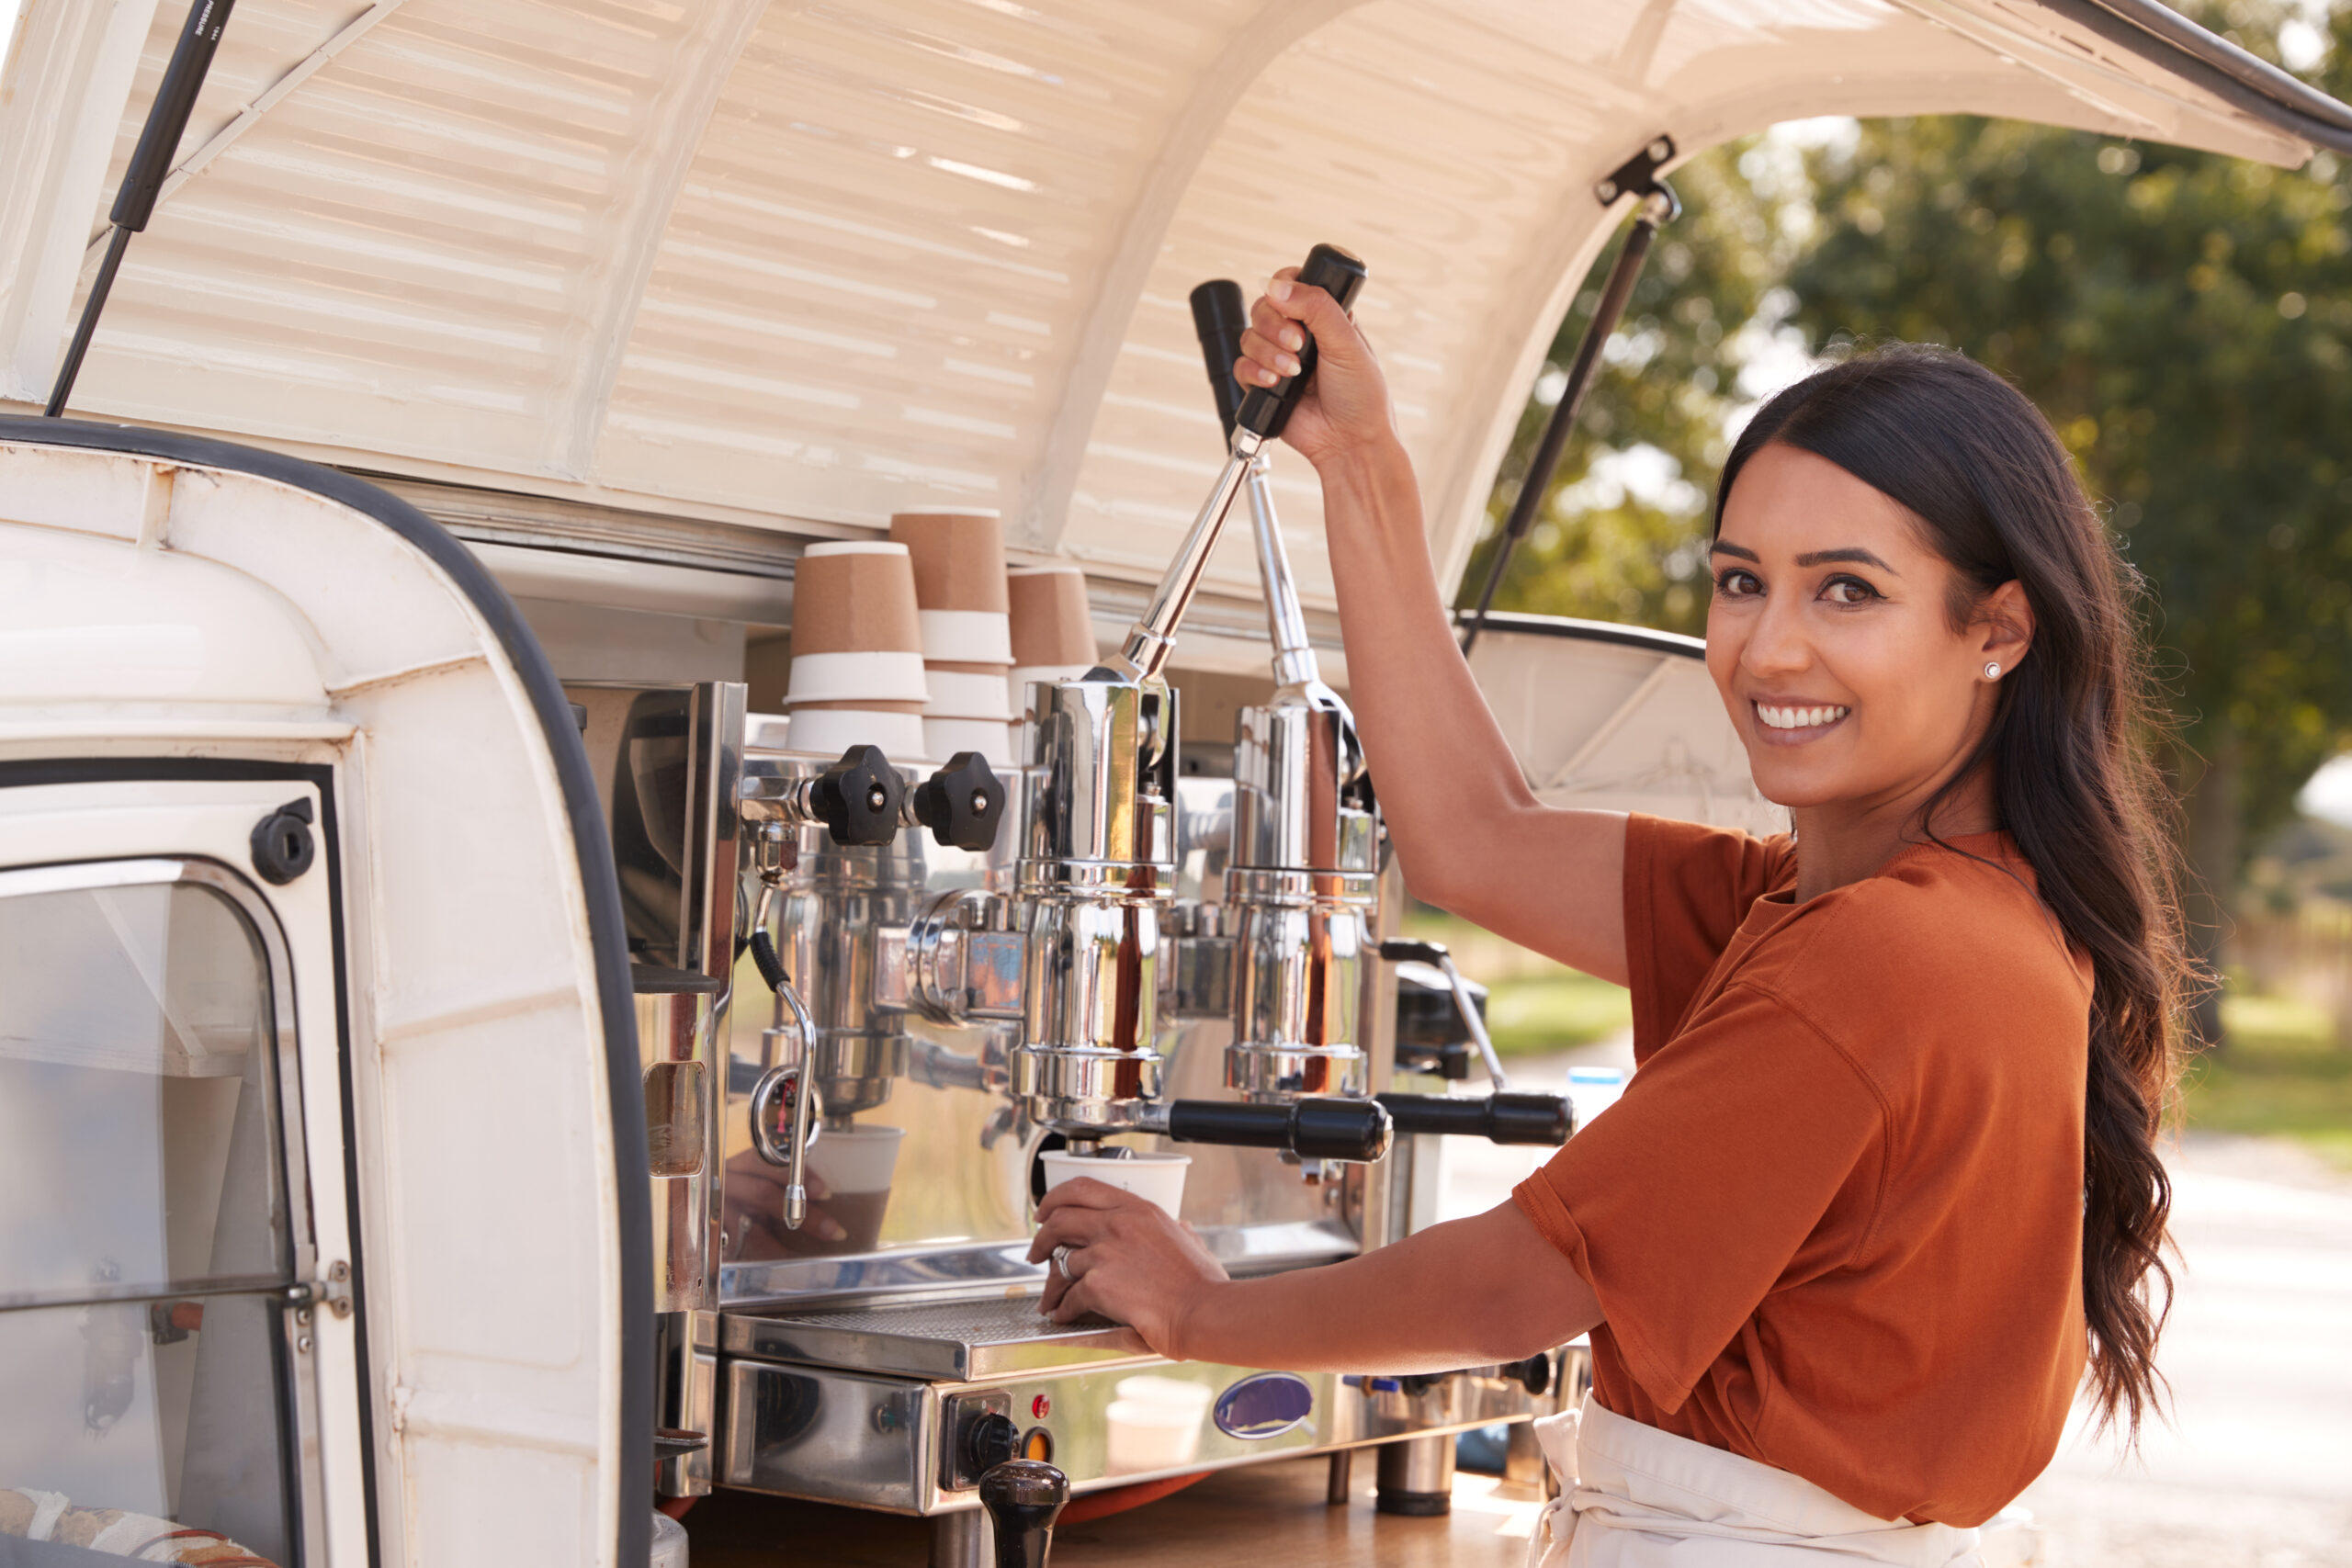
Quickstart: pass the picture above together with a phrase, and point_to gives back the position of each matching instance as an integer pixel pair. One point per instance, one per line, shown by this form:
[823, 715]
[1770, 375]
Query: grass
[1533, 1005]
[2282, 1074]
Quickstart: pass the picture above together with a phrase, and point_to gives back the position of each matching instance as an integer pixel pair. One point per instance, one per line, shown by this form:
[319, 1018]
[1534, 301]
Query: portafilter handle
[1024, 1497]
[1312, 1127]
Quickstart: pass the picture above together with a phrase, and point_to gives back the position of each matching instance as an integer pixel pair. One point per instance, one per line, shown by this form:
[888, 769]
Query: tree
[2186, 322]
[1662, 396]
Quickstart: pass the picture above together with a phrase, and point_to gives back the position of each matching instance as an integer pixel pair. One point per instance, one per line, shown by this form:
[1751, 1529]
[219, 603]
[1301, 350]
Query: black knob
[1024, 1497]
[991, 1440]
[1219, 315]
[859, 796]
[1267, 409]
[283, 847]
[1534, 1374]
[962, 803]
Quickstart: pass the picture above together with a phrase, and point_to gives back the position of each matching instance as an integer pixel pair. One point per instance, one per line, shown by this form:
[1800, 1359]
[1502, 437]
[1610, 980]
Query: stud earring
[1992, 671]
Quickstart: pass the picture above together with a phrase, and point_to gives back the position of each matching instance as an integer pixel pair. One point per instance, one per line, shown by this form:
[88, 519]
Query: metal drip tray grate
[952, 1341]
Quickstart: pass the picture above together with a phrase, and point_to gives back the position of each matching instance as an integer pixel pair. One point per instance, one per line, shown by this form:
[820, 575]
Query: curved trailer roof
[788, 267]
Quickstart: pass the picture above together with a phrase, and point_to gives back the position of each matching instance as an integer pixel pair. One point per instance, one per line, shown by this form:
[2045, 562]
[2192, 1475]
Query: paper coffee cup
[954, 694]
[1158, 1177]
[833, 731]
[967, 636]
[857, 1158]
[992, 739]
[854, 597]
[856, 1165]
[958, 558]
[867, 675]
[1050, 621]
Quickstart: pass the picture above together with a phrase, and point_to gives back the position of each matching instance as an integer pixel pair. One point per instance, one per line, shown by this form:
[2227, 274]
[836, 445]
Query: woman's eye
[1847, 591]
[1737, 582]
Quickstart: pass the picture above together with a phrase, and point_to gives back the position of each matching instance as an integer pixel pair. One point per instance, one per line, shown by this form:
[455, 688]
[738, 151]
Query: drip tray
[944, 1341]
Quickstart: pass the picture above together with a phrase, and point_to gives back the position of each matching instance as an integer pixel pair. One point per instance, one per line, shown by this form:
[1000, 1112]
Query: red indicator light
[1041, 1407]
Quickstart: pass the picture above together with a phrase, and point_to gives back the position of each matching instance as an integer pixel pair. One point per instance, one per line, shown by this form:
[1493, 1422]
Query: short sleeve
[1687, 886]
[1693, 1197]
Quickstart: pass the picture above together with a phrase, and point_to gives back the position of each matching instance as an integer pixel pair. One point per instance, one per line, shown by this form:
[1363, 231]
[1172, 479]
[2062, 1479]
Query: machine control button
[992, 1439]
[1037, 1444]
[1041, 1407]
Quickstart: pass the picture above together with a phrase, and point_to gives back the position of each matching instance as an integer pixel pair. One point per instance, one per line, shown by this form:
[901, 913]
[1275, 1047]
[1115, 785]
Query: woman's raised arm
[1469, 833]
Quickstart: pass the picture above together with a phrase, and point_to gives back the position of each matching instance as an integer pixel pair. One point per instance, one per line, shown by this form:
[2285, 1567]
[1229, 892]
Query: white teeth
[1799, 718]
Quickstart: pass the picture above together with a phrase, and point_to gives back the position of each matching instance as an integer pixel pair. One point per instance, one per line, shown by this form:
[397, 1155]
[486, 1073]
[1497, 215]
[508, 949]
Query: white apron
[1631, 1496]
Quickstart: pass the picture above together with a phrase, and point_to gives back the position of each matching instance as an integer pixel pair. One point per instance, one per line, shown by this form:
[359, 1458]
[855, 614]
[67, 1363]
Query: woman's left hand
[1128, 1262]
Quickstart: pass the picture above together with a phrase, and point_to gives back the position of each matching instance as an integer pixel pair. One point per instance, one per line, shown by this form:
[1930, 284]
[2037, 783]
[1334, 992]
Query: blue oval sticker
[1265, 1405]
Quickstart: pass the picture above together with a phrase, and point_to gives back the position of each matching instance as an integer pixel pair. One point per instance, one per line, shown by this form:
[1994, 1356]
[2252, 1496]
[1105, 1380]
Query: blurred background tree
[2184, 320]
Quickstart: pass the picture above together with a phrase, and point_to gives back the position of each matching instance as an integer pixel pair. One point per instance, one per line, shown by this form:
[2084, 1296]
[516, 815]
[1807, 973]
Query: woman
[1886, 1180]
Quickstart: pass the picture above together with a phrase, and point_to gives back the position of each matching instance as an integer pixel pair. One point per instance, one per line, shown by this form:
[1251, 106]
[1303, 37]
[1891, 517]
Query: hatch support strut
[143, 181]
[1656, 205]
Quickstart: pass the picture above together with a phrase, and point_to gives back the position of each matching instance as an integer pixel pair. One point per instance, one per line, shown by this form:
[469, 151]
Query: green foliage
[2184, 319]
[1668, 381]
[2283, 1075]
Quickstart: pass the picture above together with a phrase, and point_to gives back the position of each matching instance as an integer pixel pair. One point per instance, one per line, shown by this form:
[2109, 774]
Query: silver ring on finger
[1061, 1263]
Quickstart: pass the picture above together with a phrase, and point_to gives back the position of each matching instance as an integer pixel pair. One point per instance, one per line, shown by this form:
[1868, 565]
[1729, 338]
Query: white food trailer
[484, 360]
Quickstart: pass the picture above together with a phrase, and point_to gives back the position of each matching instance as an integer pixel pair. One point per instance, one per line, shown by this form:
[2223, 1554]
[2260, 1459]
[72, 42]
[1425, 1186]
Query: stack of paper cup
[1053, 631]
[857, 676]
[967, 642]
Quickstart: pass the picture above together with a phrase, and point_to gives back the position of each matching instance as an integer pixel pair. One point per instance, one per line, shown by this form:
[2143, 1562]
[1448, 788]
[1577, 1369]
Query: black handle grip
[859, 797]
[1403, 950]
[150, 161]
[1024, 1497]
[1316, 1128]
[1545, 1119]
[962, 803]
[1267, 409]
[1219, 316]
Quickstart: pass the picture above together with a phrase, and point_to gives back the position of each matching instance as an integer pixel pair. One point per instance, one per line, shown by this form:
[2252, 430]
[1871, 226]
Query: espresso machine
[886, 990]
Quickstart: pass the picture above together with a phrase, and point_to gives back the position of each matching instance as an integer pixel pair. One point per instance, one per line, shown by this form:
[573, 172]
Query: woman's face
[1830, 639]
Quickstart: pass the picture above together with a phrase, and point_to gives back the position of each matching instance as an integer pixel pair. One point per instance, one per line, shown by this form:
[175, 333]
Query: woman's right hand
[1345, 409]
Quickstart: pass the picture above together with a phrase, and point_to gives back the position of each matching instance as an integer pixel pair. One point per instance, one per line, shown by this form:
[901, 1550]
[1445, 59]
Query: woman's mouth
[1786, 722]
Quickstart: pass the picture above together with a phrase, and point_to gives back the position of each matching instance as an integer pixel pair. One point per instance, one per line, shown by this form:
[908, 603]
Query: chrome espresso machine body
[928, 980]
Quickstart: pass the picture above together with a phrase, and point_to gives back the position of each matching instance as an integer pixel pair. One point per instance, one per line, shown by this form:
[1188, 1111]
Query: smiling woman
[1883, 1189]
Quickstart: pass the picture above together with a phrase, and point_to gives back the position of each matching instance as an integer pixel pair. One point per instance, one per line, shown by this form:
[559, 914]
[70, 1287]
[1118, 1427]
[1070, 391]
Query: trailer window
[147, 1234]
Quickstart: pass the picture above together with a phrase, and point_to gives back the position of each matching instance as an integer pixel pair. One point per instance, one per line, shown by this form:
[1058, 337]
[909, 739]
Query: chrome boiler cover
[1094, 884]
[1301, 897]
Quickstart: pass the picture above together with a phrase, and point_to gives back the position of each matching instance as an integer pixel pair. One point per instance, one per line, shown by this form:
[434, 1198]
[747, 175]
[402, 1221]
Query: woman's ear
[2002, 628]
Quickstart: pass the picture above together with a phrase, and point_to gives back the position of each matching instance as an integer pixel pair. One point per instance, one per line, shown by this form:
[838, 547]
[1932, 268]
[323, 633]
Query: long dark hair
[2075, 785]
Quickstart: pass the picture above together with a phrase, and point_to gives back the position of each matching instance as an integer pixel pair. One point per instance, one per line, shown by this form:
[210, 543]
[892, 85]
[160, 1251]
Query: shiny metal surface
[1153, 637]
[842, 1434]
[1295, 661]
[1095, 882]
[686, 1399]
[676, 1043]
[1417, 1467]
[667, 759]
[952, 1341]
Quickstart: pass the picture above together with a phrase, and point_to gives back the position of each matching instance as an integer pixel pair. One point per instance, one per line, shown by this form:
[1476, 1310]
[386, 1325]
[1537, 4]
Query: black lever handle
[1314, 1128]
[1545, 1119]
[1024, 1497]
[962, 803]
[1267, 409]
[1219, 316]
[859, 797]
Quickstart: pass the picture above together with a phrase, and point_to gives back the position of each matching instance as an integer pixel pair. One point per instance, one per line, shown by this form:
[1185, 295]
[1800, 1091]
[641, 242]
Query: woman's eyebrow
[1854, 557]
[1721, 548]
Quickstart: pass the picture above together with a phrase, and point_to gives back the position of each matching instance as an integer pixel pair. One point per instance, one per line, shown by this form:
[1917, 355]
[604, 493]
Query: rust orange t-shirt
[1835, 1223]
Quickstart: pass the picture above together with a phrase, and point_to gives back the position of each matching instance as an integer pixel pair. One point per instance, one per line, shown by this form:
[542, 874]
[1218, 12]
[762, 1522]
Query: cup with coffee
[855, 1166]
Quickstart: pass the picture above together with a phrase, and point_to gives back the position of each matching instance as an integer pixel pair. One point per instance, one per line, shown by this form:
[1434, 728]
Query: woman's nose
[1777, 645]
